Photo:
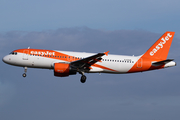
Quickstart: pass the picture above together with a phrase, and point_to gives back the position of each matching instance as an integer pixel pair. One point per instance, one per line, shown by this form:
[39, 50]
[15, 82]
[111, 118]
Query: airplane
[66, 63]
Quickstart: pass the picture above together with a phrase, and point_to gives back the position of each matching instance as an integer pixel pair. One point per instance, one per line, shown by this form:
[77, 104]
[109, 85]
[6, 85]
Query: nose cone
[5, 59]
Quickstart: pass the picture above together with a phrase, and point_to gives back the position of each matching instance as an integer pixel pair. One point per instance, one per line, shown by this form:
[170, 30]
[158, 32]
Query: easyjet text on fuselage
[43, 53]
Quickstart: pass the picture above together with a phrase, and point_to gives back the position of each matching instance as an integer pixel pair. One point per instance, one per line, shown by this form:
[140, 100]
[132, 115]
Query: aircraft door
[25, 54]
[139, 63]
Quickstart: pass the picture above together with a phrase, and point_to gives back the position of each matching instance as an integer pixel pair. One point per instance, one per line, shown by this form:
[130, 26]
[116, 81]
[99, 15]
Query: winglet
[106, 53]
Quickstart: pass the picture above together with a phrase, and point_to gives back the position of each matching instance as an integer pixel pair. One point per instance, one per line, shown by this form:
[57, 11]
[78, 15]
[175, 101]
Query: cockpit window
[13, 53]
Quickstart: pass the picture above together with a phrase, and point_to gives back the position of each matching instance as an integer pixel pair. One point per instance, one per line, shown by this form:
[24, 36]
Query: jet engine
[63, 70]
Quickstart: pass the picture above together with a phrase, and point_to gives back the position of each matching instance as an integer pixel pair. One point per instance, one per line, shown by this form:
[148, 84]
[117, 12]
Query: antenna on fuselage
[28, 47]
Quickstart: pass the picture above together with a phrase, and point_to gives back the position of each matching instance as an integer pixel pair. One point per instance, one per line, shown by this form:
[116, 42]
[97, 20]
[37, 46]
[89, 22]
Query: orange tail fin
[161, 48]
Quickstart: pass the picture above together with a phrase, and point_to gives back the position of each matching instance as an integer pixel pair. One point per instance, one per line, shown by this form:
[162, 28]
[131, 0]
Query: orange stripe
[100, 66]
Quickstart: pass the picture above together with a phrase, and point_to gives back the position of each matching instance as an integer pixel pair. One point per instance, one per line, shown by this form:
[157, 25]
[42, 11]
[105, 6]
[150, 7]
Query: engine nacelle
[63, 70]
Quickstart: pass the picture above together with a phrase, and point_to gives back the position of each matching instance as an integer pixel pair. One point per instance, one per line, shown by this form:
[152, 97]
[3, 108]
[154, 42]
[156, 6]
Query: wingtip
[106, 53]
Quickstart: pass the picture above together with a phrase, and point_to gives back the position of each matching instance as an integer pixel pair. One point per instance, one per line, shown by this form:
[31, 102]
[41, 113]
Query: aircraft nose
[5, 59]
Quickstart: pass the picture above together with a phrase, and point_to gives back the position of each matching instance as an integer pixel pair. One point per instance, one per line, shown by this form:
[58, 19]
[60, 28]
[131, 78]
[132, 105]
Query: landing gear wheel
[25, 70]
[83, 79]
[24, 74]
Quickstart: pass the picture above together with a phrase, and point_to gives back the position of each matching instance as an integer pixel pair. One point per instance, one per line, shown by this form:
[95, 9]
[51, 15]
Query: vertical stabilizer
[160, 49]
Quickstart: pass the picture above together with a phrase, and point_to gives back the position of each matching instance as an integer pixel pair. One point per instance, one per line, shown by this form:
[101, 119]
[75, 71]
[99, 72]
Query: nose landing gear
[25, 70]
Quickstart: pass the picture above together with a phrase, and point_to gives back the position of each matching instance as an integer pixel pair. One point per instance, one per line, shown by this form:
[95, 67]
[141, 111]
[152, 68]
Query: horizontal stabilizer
[162, 62]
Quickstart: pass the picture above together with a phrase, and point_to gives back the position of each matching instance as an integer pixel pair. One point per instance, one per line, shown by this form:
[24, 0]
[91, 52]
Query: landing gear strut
[25, 70]
[83, 77]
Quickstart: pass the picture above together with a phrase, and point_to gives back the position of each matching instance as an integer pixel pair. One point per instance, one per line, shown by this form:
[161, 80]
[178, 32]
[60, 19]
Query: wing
[85, 64]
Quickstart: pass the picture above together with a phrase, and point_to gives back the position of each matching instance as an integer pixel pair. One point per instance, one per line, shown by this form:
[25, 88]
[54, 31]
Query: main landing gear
[25, 70]
[83, 77]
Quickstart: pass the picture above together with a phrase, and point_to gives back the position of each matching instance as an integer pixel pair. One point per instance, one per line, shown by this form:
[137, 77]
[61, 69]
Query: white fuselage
[108, 64]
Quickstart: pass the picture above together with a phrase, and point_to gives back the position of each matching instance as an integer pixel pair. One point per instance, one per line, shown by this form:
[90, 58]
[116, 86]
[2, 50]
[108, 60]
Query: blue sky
[121, 27]
[38, 15]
